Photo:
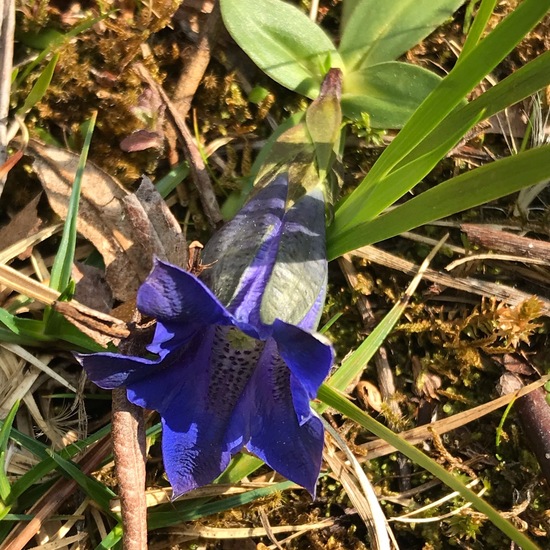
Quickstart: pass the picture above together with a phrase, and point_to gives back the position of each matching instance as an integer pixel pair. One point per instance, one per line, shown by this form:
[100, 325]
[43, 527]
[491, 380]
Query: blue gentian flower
[234, 361]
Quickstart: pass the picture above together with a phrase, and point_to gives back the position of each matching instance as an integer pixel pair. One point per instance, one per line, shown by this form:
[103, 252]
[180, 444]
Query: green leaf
[54, 41]
[63, 263]
[341, 403]
[40, 86]
[98, 492]
[354, 363]
[470, 189]
[240, 467]
[170, 181]
[257, 94]
[184, 511]
[484, 14]
[66, 331]
[389, 92]
[522, 83]
[30, 332]
[26, 329]
[376, 31]
[5, 488]
[348, 7]
[398, 182]
[46, 464]
[42, 39]
[282, 41]
[112, 539]
[410, 170]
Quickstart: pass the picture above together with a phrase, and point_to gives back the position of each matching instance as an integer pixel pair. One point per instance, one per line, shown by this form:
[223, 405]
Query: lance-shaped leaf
[389, 92]
[282, 41]
[375, 32]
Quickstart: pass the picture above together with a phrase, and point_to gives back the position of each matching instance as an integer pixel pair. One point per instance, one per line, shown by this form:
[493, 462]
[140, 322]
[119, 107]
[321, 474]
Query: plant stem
[129, 451]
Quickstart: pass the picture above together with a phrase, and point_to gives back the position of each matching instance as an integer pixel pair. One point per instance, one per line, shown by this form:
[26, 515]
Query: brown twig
[488, 289]
[7, 27]
[192, 153]
[129, 452]
[504, 241]
[534, 415]
[193, 72]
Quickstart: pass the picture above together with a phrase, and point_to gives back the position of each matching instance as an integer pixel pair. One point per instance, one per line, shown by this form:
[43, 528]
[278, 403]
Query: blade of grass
[57, 43]
[187, 511]
[30, 332]
[398, 182]
[482, 17]
[170, 181]
[526, 81]
[63, 263]
[40, 86]
[332, 398]
[29, 329]
[98, 492]
[47, 464]
[462, 79]
[470, 189]
[184, 512]
[240, 467]
[410, 170]
[5, 488]
[353, 364]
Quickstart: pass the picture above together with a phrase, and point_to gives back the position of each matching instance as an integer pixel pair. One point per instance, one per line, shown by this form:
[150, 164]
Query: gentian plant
[234, 361]
[296, 52]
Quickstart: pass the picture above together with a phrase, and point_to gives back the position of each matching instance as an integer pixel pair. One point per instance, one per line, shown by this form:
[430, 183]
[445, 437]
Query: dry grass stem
[379, 447]
[487, 289]
[359, 490]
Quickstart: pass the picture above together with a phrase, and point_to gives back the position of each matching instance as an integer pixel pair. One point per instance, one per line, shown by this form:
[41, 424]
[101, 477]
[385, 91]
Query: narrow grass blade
[240, 467]
[112, 539]
[470, 189]
[425, 157]
[30, 332]
[484, 13]
[398, 182]
[356, 362]
[333, 398]
[47, 464]
[184, 512]
[5, 488]
[56, 43]
[98, 492]
[63, 263]
[26, 329]
[40, 86]
[524, 82]
[187, 511]
[170, 181]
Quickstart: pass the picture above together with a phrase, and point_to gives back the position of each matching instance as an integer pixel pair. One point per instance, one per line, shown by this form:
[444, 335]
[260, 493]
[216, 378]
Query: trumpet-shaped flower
[233, 362]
